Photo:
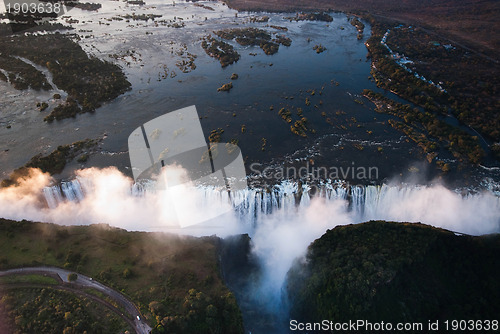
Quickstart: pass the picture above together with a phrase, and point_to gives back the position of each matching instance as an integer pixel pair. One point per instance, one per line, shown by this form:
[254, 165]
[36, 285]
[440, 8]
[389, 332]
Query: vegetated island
[19, 22]
[398, 272]
[255, 37]
[225, 87]
[175, 281]
[88, 81]
[83, 5]
[220, 50]
[360, 26]
[204, 6]
[54, 162]
[319, 48]
[301, 126]
[140, 17]
[325, 17]
[428, 131]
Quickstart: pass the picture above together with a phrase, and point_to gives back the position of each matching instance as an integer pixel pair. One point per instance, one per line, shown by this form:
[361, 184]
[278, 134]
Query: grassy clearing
[31, 279]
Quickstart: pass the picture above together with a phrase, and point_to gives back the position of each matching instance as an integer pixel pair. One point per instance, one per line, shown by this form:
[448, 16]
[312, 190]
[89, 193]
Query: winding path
[82, 282]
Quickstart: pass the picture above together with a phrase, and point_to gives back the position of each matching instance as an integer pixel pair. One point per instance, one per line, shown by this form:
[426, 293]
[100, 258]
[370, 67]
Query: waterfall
[434, 205]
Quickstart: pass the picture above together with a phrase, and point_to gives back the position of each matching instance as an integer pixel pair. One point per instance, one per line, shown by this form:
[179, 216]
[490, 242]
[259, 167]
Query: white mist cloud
[282, 237]
[108, 199]
[23, 201]
[436, 205]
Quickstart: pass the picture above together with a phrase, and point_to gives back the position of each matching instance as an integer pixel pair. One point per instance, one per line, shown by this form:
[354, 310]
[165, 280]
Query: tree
[127, 273]
[72, 277]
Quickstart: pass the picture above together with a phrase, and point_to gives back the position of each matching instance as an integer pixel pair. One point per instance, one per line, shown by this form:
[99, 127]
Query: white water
[48, 76]
[435, 205]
